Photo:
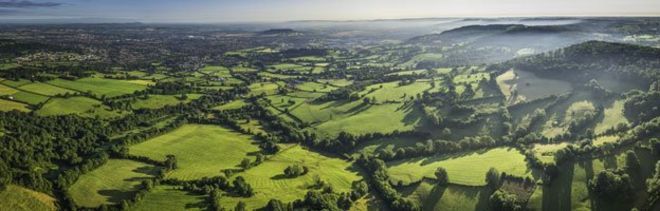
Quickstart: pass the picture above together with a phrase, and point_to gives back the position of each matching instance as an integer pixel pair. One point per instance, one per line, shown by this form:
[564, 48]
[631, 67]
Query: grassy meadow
[111, 183]
[200, 150]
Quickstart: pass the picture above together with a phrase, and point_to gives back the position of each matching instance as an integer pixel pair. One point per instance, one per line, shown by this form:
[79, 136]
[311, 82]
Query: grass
[200, 150]
[159, 101]
[236, 104]
[369, 119]
[268, 180]
[388, 143]
[464, 169]
[394, 92]
[579, 110]
[315, 87]
[44, 89]
[520, 86]
[16, 198]
[29, 98]
[6, 105]
[613, 116]
[111, 183]
[267, 88]
[451, 197]
[337, 82]
[546, 152]
[5, 90]
[289, 66]
[102, 86]
[166, 197]
[602, 140]
[82, 106]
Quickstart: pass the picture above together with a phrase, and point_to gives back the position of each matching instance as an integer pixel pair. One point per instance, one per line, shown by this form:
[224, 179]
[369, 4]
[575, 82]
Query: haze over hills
[533, 113]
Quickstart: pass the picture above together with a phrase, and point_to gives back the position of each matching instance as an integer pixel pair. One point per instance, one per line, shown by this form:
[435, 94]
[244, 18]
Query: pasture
[519, 86]
[236, 104]
[16, 198]
[392, 91]
[372, 118]
[82, 106]
[159, 101]
[45, 89]
[200, 150]
[166, 197]
[102, 86]
[450, 198]
[268, 180]
[7, 105]
[111, 183]
[464, 169]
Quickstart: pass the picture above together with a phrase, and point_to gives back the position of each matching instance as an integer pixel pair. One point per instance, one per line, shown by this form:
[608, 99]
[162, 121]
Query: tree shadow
[557, 195]
[115, 196]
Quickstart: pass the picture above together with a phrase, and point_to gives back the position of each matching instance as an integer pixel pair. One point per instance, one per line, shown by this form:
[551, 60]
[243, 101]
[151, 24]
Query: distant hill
[474, 32]
[583, 60]
[280, 32]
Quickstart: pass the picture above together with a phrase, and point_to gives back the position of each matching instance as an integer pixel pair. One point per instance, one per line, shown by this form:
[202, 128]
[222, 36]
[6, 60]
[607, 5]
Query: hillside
[581, 61]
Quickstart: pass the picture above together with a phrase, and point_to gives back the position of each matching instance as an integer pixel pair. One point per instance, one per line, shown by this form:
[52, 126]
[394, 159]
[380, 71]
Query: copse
[441, 176]
[611, 185]
[493, 178]
[295, 170]
[632, 162]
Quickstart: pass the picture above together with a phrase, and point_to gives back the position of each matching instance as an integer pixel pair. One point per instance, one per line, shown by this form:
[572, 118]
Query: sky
[217, 11]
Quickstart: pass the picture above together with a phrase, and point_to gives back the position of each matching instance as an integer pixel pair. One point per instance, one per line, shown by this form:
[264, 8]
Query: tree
[441, 176]
[504, 201]
[493, 178]
[275, 205]
[295, 170]
[170, 162]
[245, 163]
[609, 184]
[240, 206]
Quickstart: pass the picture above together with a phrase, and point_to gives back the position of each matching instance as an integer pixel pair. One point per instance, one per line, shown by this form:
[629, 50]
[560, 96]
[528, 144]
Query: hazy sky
[283, 10]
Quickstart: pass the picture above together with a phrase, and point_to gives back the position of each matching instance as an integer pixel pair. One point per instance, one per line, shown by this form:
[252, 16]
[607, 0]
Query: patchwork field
[45, 89]
[450, 198]
[390, 117]
[519, 86]
[236, 104]
[268, 180]
[165, 198]
[111, 183]
[16, 198]
[159, 101]
[7, 105]
[102, 86]
[82, 106]
[464, 169]
[200, 150]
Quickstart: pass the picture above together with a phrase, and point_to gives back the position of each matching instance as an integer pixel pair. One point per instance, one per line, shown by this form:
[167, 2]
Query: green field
[361, 120]
[165, 198]
[159, 101]
[613, 117]
[526, 86]
[82, 106]
[111, 183]
[6, 105]
[102, 86]
[389, 143]
[45, 89]
[269, 182]
[5, 90]
[392, 91]
[464, 169]
[236, 104]
[16, 198]
[29, 98]
[315, 87]
[263, 88]
[546, 152]
[450, 198]
[200, 150]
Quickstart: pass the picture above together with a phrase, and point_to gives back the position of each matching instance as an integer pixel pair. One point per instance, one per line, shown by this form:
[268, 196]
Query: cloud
[26, 4]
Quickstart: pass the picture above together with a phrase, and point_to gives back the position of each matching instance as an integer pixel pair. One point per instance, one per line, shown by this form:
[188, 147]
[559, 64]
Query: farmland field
[464, 169]
[167, 197]
[6, 105]
[269, 182]
[101, 86]
[82, 106]
[109, 184]
[198, 149]
[159, 101]
[16, 198]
